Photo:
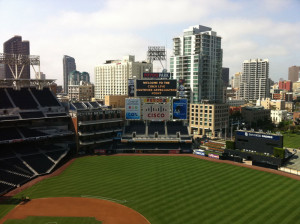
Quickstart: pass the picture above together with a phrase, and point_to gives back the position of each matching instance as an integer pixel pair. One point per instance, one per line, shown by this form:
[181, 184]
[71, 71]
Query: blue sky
[95, 31]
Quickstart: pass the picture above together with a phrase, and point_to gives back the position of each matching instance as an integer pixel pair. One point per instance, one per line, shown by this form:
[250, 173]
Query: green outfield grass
[291, 140]
[178, 189]
[54, 220]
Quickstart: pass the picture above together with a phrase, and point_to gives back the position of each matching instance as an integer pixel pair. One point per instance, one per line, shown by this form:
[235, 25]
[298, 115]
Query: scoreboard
[156, 87]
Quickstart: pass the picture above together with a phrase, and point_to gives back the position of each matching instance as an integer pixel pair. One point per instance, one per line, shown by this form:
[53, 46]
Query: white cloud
[120, 28]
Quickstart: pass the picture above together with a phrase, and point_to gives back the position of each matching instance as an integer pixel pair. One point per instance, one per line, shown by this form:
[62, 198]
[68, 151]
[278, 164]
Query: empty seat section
[27, 132]
[51, 147]
[9, 134]
[5, 188]
[39, 162]
[45, 97]
[156, 126]
[6, 152]
[56, 115]
[35, 114]
[26, 150]
[12, 178]
[138, 127]
[22, 98]
[55, 155]
[16, 165]
[94, 104]
[79, 106]
[4, 100]
[174, 127]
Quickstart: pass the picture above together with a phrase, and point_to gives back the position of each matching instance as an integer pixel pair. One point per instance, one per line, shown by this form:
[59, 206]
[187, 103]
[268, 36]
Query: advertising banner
[181, 88]
[210, 155]
[133, 109]
[130, 87]
[156, 100]
[200, 153]
[180, 109]
[156, 75]
[156, 87]
[257, 135]
[156, 112]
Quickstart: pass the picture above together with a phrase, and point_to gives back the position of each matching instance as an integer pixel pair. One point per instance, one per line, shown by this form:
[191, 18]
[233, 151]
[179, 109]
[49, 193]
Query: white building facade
[278, 115]
[254, 83]
[112, 77]
[197, 59]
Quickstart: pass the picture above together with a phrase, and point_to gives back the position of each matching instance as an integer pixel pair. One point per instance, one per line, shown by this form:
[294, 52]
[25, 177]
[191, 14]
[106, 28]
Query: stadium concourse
[35, 135]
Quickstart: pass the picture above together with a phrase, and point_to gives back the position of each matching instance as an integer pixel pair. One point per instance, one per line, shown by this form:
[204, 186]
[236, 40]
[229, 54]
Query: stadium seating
[174, 127]
[45, 97]
[135, 126]
[13, 177]
[55, 155]
[5, 188]
[79, 106]
[39, 162]
[27, 132]
[6, 152]
[4, 102]
[34, 114]
[156, 126]
[26, 150]
[56, 114]
[15, 165]
[9, 134]
[22, 98]
[5, 118]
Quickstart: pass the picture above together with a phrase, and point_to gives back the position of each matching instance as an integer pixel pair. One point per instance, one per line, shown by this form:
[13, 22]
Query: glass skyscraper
[197, 59]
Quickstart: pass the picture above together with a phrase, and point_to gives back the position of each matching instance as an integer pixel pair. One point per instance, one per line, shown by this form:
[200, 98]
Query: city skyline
[96, 31]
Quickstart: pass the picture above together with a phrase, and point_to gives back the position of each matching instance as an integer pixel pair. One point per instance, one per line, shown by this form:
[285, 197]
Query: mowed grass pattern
[291, 140]
[179, 189]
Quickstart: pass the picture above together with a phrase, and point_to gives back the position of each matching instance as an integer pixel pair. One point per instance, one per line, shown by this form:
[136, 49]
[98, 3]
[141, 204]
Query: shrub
[230, 145]
[279, 152]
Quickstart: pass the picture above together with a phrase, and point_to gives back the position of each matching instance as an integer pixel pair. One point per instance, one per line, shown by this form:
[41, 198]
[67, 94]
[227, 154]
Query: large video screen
[157, 87]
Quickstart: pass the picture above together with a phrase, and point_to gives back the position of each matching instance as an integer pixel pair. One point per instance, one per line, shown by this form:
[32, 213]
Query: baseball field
[171, 189]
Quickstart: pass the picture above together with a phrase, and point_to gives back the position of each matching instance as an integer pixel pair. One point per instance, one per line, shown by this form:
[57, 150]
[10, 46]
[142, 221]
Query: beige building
[289, 106]
[208, 119]
[115, 101]
[267, 103]
[112, 77]
[296, 87]
[83, 92]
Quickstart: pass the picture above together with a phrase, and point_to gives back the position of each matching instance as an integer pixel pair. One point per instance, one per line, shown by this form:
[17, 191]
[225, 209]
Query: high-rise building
[254, 83]
[197, 58]
[286, 85]
[236, 80]
[69, 65]
[15, 45]
[294, 73]
[112, 77]
[76, 77]
[225, 76]
[2, 73]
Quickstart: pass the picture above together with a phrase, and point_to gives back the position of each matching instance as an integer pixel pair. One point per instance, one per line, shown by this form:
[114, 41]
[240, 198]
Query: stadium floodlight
[157, 53]
[17, 62]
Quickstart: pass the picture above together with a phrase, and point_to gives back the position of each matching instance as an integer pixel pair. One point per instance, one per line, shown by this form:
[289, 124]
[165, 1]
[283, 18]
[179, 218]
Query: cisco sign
[257, 135]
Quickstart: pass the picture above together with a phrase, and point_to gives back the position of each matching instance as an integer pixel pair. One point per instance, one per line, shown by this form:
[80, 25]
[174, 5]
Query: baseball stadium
[85, 164]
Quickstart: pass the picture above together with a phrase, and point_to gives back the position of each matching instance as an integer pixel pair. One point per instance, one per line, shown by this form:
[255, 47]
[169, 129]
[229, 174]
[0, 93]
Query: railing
[289, 170]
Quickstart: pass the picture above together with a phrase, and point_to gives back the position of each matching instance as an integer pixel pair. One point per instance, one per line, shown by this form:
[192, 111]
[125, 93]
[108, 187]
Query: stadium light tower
[157, 53]
[15, 61]
[16, 64]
